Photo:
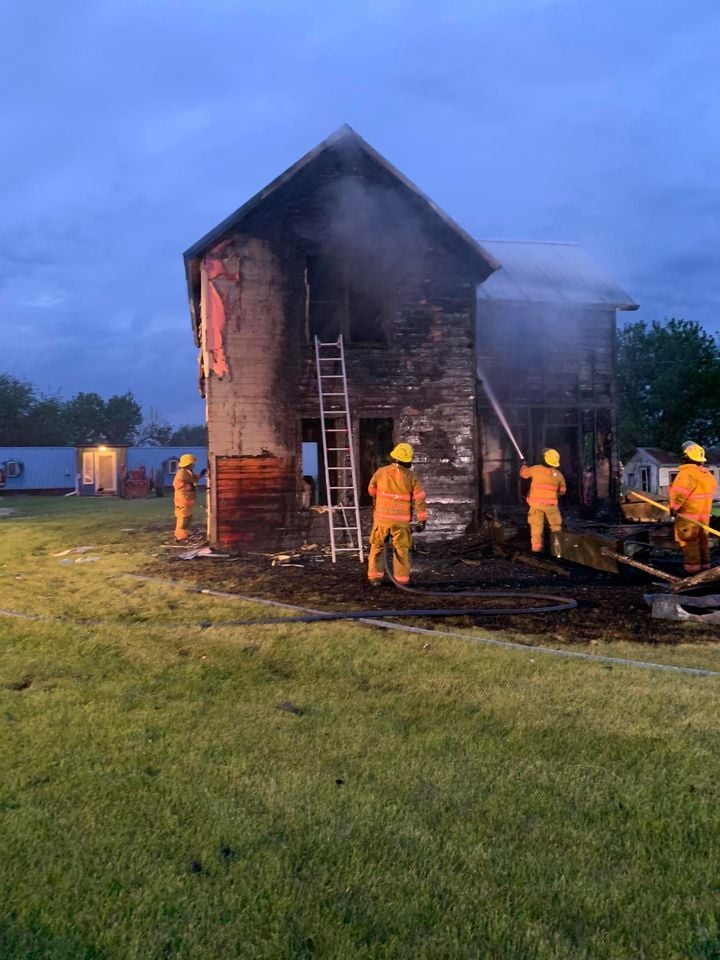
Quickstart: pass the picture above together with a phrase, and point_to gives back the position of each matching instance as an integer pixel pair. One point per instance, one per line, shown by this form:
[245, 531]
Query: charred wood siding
[254, 495]
[246, 413]
[424, 380]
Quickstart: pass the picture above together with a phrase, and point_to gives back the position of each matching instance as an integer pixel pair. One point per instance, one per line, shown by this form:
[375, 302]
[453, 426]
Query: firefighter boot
[555, 546]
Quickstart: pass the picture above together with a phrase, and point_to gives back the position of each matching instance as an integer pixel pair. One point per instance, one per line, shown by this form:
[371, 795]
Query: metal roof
[549, 272]
[665, 459]
[662, 457]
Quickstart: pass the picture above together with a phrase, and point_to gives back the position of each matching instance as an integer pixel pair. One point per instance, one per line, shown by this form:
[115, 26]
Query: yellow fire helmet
[187, 460]
[551, 457]
[403, 452]
[693, 451]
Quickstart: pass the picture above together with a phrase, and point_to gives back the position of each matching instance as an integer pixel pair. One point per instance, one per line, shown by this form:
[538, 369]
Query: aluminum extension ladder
[341, 475]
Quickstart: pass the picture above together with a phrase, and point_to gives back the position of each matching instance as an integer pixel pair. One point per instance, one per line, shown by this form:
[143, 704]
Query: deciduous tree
[669, 383]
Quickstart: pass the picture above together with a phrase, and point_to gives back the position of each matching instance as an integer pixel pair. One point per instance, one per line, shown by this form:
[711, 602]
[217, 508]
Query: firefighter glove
[420, 526]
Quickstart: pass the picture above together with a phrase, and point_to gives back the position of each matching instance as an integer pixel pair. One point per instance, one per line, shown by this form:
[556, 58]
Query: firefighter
[395, 491]
[547, 483]
[691, 496]
[185, 484]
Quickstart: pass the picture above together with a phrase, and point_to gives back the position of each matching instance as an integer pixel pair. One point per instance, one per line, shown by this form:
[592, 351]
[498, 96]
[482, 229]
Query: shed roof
[549, 272]
[665, 459]
[662, 457]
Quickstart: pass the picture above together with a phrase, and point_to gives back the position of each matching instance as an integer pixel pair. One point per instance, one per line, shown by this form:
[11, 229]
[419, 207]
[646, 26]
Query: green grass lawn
[441, 801]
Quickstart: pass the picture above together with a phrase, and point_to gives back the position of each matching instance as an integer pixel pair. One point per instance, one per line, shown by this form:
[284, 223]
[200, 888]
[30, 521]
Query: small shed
[101, 469]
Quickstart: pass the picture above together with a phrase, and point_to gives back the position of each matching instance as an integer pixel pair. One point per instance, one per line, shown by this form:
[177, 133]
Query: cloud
[133, 132]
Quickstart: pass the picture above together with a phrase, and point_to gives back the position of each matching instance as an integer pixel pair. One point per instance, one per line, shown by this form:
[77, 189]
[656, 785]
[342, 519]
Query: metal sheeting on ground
[671, 607]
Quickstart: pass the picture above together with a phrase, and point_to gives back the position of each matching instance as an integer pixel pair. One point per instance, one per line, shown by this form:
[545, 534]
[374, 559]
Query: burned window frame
[349, 319]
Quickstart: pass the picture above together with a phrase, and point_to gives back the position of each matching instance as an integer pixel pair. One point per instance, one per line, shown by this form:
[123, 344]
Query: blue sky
[130, 127]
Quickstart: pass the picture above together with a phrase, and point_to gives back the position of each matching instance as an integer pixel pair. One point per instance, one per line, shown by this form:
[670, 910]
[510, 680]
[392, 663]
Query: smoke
[374, 233]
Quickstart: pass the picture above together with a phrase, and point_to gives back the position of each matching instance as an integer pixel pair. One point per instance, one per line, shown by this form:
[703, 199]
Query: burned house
[343, 244]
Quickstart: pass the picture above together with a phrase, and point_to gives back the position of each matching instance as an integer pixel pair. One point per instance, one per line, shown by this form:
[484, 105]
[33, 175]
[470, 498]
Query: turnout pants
[401, 543]
[536, 518]
[183, 517]
[694, 544]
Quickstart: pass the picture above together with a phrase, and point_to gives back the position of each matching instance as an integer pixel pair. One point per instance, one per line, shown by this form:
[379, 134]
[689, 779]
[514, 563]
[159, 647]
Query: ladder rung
[332, 343]
[340, 488]
[333, 395]
[332, 376]
[338, 448]
[346, 549]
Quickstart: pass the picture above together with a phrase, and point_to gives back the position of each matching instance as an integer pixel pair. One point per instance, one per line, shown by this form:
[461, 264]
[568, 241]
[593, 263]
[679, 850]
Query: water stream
[498, 410]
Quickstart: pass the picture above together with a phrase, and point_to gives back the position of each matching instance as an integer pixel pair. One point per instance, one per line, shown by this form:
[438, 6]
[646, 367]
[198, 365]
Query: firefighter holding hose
[691, 497]
[396, 493]
[546, 485]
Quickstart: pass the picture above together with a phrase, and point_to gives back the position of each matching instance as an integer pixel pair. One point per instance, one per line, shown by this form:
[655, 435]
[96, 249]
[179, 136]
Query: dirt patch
[610, 608]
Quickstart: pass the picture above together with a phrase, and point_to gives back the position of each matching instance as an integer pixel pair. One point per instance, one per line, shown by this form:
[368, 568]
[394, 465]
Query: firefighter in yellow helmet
[185, 484]
[691, 497]
[396, 493]
[546, 485]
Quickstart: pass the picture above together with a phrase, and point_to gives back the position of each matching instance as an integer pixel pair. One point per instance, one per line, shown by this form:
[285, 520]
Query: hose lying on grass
[554, 604]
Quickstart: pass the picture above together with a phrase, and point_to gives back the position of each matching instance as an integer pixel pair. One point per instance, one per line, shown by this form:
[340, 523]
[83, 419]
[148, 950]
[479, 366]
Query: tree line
[669, 385]
[668, 390]
[30, 418]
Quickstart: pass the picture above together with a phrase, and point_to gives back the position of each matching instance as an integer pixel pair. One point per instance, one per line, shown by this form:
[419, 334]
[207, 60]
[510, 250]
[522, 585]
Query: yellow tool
[664, 506]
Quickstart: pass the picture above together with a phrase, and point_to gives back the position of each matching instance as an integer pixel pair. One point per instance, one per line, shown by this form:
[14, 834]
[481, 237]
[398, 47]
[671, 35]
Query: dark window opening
[375, 443]
[334, 305]
[366, 318]
[325, 295]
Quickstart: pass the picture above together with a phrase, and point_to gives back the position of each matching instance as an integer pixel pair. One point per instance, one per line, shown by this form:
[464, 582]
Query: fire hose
[664, 506]
[553, 604]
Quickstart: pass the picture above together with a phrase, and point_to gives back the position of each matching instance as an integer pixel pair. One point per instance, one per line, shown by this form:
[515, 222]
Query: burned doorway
[375, 441]
[312, 464]
[313, 460]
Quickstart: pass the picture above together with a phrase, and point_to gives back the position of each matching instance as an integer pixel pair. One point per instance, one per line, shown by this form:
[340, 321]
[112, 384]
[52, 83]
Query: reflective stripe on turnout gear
[691, 493]
[401, 544]
[396, 491]
[694, 543]
[546, 485]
